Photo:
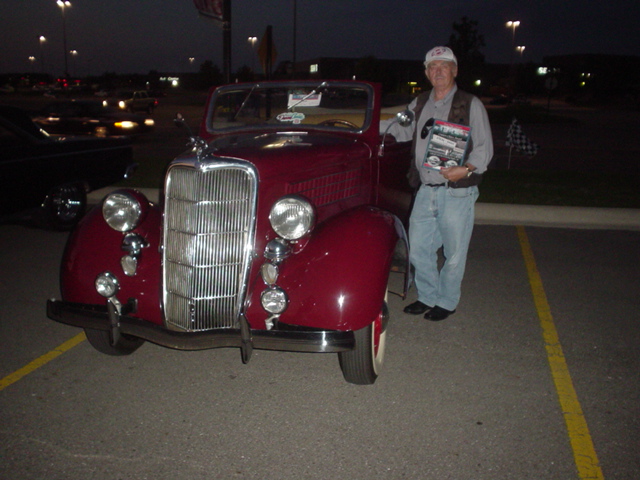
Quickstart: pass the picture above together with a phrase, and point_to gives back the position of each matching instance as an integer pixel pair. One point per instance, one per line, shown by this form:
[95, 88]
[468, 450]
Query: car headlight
[122, 104]
[292, 217]
[274, 300]
[122, 211]
[126, 124]
[107, 285]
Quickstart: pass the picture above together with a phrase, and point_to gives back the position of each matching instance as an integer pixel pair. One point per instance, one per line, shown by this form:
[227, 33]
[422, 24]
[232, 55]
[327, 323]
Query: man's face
[442, 74]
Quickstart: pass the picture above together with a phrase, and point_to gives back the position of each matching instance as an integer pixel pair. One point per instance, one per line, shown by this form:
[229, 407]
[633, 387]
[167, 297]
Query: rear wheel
[101, 341]
[363, 364]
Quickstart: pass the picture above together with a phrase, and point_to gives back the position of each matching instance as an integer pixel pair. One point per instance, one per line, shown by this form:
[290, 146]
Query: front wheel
[363, 364]
[101, 341]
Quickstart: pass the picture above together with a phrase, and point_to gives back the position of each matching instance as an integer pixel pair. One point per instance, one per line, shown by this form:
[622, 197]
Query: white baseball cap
[440, 53]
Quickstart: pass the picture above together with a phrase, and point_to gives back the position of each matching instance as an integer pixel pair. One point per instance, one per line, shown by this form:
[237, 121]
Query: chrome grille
[208, 240]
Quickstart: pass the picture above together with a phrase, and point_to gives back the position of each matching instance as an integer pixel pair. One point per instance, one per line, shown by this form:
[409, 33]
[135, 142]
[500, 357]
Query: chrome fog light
[122, 211]
[292, 217]
[107, 284]
[274, 300]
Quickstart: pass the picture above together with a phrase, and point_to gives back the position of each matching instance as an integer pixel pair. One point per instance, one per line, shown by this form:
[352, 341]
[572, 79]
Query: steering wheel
[334, 122]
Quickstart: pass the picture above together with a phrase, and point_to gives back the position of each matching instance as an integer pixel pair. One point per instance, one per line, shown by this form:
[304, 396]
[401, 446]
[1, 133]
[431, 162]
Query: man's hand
[453, 174]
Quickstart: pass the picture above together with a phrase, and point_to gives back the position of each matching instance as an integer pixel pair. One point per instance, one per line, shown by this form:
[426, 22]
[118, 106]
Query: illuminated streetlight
[73, 58]
[42, 40]
[64, 4]
[513, 24]
[252, 41]
[520, 49]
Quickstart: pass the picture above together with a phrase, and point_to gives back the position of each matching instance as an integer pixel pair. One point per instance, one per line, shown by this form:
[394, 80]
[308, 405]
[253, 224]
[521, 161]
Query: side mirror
[406, 117]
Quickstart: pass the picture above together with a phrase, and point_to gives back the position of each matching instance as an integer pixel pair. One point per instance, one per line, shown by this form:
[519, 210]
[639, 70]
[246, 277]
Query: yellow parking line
[39, 362]
[584, 452]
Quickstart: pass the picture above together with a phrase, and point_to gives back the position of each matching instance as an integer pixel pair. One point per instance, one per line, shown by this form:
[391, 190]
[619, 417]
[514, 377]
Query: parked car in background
[132, 101]
[90, 117]
[276, 230]
[54, 172]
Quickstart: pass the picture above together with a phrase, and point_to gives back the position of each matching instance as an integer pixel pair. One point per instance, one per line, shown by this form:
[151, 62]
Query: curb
[507, 214]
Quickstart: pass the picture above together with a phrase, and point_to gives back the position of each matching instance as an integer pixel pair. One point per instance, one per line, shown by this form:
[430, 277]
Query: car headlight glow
[149, 122]
[274, 300]
[292, 217]
[122, 104]
[122, 211]
[107, 285]
[126, 124]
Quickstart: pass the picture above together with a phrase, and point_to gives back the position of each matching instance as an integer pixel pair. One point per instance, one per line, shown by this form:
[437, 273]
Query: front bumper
[97, 317]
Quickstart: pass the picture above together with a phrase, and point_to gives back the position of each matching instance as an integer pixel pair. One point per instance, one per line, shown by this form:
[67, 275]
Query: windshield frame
[245, 90]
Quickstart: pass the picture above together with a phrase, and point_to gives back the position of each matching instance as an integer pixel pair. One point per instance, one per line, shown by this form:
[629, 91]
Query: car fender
[338, 279]
[93, 248]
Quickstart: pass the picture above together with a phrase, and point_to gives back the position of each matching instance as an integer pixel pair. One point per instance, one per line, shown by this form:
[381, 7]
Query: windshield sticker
[293, 117]
[304, 100]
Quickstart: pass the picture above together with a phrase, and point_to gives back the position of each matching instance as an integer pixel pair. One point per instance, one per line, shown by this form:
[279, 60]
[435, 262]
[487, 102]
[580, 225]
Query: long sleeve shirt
[482, 151]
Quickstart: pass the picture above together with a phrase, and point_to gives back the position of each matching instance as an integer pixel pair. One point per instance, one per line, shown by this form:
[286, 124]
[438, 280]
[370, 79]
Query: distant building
[596, 76]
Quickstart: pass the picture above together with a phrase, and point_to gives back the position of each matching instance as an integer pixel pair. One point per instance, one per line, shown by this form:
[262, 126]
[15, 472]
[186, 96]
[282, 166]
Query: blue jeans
[441, 217]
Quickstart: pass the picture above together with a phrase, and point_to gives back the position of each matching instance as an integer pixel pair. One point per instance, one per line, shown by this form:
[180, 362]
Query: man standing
[443, 211]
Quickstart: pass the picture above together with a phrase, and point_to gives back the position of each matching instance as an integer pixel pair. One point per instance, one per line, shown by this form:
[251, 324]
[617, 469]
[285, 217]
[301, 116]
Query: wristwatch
[469, 172]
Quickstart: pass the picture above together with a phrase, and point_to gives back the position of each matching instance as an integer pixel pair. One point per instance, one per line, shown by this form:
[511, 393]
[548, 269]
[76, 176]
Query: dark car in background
[133, 101]
[90, 117]
[54, 172]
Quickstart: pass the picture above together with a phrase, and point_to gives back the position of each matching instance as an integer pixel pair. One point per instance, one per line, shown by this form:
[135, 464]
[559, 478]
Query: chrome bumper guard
[97, 317]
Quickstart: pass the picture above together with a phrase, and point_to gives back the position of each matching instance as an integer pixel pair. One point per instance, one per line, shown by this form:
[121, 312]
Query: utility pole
[226, 40]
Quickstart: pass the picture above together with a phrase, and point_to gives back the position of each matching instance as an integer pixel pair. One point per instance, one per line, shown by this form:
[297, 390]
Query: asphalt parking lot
[535, 377]
[479, 396]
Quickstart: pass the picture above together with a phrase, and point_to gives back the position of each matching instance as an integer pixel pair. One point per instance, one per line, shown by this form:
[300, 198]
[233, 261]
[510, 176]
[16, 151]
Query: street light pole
[42, 40]
[64, 4]
[252, 41]
[73, 65]
[512, 24]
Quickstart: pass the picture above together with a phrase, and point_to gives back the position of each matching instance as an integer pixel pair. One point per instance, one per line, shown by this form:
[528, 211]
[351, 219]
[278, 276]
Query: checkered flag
[516, 138]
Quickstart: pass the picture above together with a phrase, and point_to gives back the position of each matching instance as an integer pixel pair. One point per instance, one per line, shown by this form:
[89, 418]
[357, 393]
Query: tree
[466, 43]
[210, 74]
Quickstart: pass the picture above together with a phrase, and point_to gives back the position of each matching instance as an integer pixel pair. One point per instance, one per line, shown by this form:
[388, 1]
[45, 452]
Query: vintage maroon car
[276, 230]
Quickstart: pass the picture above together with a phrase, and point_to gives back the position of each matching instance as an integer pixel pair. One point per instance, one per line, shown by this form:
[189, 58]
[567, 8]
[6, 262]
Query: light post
[252, 41]
[512, 24]
[32, 59]
[73, 58]
[64, 4]
[42, 40]
[520, 49]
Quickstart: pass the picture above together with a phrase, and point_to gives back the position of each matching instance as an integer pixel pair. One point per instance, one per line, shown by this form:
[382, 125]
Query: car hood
[291, 154]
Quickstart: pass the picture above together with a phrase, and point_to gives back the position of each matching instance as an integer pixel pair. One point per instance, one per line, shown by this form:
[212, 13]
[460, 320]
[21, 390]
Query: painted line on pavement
[584, 452]
[41, 361]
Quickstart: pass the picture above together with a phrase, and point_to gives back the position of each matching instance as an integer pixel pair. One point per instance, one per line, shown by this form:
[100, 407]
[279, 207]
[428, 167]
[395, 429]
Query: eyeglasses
[426, 128]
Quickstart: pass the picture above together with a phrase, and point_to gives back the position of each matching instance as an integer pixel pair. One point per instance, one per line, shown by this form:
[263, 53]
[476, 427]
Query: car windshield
[331, 105]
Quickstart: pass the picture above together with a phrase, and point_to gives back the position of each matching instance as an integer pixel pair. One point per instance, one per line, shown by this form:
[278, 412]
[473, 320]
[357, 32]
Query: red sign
[213, 9]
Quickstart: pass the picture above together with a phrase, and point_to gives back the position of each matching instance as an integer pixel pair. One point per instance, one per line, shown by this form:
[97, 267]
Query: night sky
[136, 36]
